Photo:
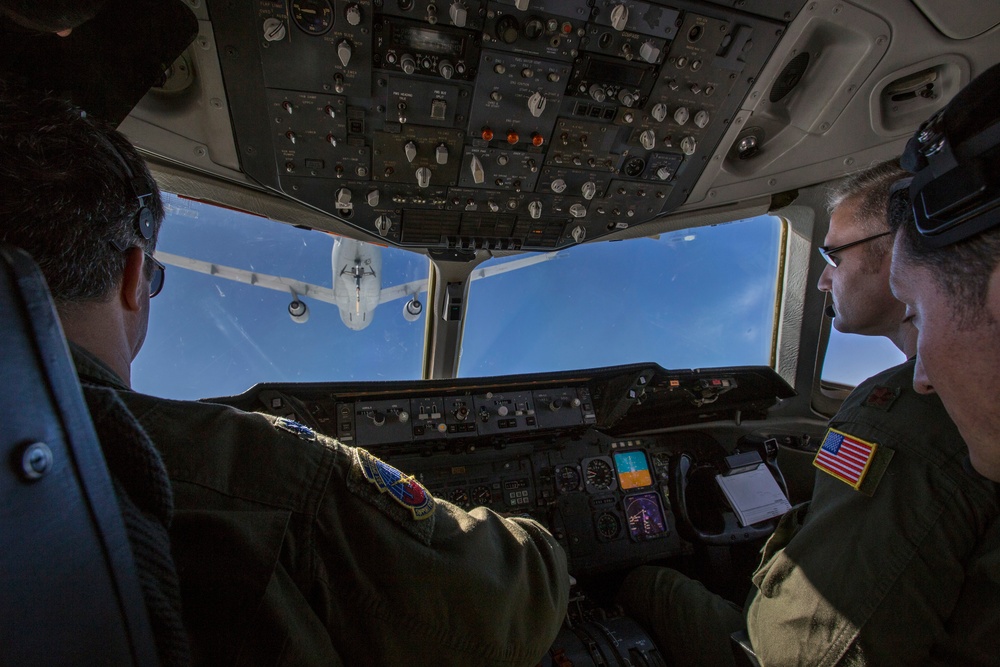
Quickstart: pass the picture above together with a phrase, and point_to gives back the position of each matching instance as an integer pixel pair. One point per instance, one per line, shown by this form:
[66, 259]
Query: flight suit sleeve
[687, 621]
[411, 579]
[881, 577]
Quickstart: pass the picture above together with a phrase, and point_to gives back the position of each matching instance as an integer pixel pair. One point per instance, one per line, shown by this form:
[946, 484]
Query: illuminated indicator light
[567, 28]
[716, 382]
[487, 134]
[512, 137]
[536, 139]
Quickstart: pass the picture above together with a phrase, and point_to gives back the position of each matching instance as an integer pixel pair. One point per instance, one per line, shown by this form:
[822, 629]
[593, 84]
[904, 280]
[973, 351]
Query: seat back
[69, 593]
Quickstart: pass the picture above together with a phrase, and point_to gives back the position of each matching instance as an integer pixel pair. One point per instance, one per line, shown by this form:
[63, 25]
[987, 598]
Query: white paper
[754, 495]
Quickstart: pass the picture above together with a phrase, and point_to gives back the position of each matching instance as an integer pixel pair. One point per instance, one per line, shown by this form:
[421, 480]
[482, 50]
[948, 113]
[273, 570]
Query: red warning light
[567, 28]
[512, 137]
[537, 139]
[487, 134]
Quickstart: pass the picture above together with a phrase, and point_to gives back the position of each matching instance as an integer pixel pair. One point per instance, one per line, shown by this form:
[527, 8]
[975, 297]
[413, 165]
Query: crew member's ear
[133, 284]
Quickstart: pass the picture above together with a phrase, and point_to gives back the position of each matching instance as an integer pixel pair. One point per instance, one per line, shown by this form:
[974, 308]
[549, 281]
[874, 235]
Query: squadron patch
[881, 397]
[301, 431]
[404, 489]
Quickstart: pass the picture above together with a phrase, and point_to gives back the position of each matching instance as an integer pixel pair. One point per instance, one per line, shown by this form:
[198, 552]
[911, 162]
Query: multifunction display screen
[633, 470]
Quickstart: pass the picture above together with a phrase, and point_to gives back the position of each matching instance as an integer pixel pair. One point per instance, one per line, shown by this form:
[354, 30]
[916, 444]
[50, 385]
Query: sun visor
[105, 65]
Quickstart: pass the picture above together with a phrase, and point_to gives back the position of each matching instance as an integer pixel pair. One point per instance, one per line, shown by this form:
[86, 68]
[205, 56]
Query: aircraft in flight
[357, 282]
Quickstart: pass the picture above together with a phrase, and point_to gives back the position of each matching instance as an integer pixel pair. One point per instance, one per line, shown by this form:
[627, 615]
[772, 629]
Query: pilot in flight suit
[293, 549]
[907, 575]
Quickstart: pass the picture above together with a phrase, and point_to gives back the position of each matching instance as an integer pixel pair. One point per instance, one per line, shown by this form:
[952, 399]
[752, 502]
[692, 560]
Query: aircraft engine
[298, 311]
[412, 310]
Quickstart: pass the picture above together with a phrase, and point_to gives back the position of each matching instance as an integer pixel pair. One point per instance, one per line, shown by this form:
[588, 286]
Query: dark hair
[962, 270]
[50, 15]
[69, 187]
[870, 188]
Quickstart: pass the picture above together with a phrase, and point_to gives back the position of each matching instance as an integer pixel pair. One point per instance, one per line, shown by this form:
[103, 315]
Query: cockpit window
[695, 298]
[223, 324]
[850, 358]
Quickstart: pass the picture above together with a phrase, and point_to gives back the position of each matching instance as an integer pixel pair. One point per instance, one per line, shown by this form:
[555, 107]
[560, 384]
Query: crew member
[290, 547]
[878, 567]
[945, 262]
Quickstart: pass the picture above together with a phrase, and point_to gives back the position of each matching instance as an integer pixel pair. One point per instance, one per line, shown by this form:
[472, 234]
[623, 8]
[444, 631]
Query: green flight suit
[907, 576]
[293, 549]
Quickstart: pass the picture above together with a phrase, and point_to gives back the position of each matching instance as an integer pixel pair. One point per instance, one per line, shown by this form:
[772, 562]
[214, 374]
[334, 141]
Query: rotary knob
[619, 17]
[536, 104]
[423, 177]
[344, 51]
[407, 63]
[648, 139]
[343, 198]
[458, 14]
[476, 168]
[627, 97]
[649, 52]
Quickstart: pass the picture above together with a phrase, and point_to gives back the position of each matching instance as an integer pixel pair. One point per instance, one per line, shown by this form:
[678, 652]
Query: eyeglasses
[159, 270]
[828, 253]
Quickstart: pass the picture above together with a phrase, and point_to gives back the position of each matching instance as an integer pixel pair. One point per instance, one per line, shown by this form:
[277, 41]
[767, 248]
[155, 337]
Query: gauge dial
[599, 474]
[567, 479]
[314, 16]
[481, 495]
[460, 497]
[608, 526]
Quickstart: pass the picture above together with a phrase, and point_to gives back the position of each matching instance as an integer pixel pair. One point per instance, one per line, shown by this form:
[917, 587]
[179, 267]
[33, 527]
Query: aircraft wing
[278, 283]
[417, 286]
[497, 269]
[399, 291]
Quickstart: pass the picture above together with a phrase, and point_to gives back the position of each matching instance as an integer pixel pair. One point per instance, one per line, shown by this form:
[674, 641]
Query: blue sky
[698, 298]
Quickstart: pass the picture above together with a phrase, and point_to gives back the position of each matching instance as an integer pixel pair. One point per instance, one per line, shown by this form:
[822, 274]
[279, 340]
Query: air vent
[789, 77]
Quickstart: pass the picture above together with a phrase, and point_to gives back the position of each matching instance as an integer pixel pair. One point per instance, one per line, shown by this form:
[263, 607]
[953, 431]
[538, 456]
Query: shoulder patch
[404, 489]
[881, 397]
[857, 462]
[301, 431]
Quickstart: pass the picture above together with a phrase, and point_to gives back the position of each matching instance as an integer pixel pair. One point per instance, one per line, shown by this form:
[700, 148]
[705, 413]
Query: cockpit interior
[466, 136]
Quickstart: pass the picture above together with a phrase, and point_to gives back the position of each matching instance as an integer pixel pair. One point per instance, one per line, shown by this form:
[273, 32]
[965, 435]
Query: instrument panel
[501, 124]
[577, 451]
[607, 501]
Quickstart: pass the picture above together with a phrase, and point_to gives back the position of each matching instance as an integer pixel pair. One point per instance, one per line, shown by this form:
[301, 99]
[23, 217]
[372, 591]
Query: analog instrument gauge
[315, 17]
[567, 479]
[481, 495]
[599, 474]
[645, 516]
[460, 497]
[608, 526]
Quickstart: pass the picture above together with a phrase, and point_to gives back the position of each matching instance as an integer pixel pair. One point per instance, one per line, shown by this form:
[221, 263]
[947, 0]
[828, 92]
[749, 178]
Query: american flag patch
[845, 456]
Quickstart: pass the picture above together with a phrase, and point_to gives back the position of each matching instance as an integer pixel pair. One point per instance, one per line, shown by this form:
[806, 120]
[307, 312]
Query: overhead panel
[513, 125]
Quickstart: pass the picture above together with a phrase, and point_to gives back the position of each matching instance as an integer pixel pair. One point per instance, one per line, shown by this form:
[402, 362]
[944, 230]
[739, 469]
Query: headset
[955, 161]
[143, 218]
